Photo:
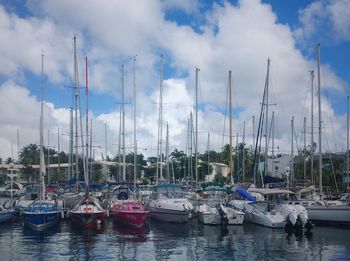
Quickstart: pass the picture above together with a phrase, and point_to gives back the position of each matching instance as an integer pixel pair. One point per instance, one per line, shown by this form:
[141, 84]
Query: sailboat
[7, 213]
[214, 209]
[125, 210]
[42, 213]
[323, 212]
[88, 212]
[167, 200]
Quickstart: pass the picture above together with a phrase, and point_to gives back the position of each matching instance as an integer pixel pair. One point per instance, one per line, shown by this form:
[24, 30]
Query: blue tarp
[245, 194]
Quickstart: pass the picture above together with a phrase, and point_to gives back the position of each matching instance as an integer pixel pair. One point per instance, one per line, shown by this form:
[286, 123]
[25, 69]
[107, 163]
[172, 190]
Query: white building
[218, 169]
[279, 166]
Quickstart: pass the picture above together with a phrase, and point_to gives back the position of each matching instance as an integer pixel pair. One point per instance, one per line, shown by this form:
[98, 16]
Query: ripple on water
[162, 241]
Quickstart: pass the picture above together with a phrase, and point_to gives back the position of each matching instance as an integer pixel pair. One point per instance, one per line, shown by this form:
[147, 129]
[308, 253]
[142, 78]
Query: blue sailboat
[42, 213]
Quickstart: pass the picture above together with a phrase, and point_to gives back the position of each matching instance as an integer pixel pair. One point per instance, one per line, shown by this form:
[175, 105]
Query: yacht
[271, 209]
[168, 204]
[214, 210]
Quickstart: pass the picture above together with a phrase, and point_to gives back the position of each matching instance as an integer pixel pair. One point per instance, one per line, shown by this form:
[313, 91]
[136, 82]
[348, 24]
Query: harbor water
[163, 241]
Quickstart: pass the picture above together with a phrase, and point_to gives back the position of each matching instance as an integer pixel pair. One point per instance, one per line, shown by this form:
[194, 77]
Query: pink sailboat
[129, 211]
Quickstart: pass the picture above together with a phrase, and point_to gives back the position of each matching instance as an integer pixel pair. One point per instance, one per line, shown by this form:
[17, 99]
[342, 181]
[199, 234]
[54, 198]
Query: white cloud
[23, 41]
[234, 37]
[327, 20]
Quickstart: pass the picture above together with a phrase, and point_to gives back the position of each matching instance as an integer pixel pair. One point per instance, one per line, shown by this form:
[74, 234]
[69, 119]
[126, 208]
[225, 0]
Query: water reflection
[163, 241]
[132, 233]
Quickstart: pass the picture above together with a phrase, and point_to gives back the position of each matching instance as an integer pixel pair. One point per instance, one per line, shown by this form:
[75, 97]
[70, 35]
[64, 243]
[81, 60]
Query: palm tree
[29, 155]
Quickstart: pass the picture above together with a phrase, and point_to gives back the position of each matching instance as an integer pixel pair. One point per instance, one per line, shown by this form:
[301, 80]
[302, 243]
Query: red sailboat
[88, 212]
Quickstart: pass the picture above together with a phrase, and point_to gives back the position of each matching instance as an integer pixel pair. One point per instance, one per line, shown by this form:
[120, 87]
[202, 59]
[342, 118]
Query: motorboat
[271, 209]
[168, 204]
[213, 209]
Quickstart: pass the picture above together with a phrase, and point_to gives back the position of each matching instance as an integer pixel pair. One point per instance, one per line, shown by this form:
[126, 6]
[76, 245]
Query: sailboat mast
[160, 124]
[312, 128]
[254, 148]
[123, 126]
[90, 153]
[135, 141]
[119, 145]
[304, 130]
[208, 149]
[76, 95]
[59, 151]
[267, 114]
[86, 171]
[42, 159]
[70, 159]
[48, 158]
[347, 140]
[230, 119]
[243, 153]
[196, 134]
[191, 146]
[237, 157]
[292, 153]
[167, 152]
[319, 118]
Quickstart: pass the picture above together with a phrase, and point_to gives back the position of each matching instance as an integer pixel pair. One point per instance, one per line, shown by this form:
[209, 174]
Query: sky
[214, 36]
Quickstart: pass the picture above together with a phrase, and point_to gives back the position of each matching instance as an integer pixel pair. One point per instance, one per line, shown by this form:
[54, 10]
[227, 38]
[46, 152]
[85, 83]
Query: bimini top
[212, 184]
[265, 191]
[167, 185]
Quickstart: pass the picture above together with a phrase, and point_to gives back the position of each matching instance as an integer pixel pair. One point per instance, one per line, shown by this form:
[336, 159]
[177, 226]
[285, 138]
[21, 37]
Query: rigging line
[330, 158]
[226, 105]
[304, 109]
[333, 172]
[270, 132]
[296, 139]
[330, 119]
[328, 103]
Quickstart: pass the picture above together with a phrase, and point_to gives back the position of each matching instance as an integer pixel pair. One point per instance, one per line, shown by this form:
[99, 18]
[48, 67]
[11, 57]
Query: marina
[174, 130]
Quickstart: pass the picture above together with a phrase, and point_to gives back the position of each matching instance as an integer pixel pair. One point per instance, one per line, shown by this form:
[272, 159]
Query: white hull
[171, 210]
[329, 215]
[266, 220]
[211, 216]
[255, 214]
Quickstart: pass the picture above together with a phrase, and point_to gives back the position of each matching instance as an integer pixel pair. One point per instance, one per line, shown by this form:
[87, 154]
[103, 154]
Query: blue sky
[215, 36]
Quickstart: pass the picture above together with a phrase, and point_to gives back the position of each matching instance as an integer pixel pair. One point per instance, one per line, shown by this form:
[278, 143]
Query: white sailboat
[214, 209]
[323, 212]
[167, 200]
